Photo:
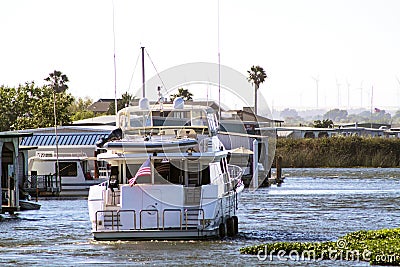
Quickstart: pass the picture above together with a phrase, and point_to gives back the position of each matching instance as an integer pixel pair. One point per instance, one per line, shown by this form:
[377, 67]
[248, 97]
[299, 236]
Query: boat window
[180, 114]
[215, 171]
[176, 172]
[199, 118]
[122, 121]
[161, 172]
[139, 119]
[166, 172]
[68, 169]
[85, 169]
[205, 176]
[177, 118]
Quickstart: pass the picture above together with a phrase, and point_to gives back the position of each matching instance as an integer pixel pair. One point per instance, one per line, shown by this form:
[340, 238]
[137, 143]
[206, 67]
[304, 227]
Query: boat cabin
[168, 120]
[12, 169]
[187, 169]
[74, 177]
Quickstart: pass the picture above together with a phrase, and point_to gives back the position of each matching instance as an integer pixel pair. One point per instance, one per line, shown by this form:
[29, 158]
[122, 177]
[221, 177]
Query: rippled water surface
[312, 205]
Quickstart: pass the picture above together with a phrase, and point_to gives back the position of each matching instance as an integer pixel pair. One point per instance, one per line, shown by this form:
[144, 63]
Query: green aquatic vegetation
[379, 247]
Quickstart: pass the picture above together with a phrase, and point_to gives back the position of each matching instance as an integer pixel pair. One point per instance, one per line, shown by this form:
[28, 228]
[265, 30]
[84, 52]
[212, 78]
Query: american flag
[143, 171]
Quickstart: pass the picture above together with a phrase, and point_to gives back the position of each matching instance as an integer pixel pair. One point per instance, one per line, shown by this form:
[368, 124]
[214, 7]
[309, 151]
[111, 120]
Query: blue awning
[64, 139]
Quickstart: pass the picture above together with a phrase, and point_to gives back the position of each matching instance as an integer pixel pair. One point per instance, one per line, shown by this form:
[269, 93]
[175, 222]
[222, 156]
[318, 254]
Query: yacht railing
[235, 172]
[149, 210]
[111, 219]
[172, 210]
[126, 211]
[104, 172]
[105, 214]
[52, 154]
[198, 210]
[46, 183]
[112, 197]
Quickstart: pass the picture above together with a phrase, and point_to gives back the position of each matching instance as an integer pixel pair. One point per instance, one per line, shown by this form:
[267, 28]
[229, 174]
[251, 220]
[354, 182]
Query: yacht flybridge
[170, 177]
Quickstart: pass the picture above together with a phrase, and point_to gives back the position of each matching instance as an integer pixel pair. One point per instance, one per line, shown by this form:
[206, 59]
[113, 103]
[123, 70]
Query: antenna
[143, 77]
[316, 83]
[361, 93]
[115, 65]
[219, 73]
[372, 102]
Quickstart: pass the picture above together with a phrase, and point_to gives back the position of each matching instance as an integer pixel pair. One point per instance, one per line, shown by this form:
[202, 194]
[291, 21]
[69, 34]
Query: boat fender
[230, 227]
[221, 230]
[236, 224]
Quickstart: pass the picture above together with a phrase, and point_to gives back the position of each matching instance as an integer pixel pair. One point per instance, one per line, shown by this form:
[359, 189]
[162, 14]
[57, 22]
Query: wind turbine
[348, 94]
[398, 93]
[361, 93]
[338, 92]
[316, 83]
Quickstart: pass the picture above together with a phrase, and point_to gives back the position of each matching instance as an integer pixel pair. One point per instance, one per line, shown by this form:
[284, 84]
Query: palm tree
[126, 100]
[256, 76]
[57, 81]
[184, 93]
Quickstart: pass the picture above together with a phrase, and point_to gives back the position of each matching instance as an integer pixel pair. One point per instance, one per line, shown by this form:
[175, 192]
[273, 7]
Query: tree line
[30, 106]
[334, 116]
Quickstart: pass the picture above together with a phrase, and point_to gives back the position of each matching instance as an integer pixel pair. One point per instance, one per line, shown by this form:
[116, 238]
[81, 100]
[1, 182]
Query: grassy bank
[379, 247]
[340, 152]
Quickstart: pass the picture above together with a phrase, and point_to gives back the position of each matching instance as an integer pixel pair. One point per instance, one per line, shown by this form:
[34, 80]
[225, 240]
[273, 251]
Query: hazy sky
[350, 46]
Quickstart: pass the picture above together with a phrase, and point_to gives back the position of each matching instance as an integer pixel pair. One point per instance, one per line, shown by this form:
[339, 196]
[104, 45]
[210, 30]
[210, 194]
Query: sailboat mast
[219, 74]
[143, 77]
[115, 65]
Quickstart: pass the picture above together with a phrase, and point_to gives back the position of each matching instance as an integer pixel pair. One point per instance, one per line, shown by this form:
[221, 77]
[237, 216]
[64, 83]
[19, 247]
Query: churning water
[312, 205]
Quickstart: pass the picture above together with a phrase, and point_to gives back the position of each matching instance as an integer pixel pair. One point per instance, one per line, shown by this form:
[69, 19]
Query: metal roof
[13, 134]
[64, 139]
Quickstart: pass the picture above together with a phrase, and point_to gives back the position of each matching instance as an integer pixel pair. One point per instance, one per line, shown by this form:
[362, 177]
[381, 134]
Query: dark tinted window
[68, 169]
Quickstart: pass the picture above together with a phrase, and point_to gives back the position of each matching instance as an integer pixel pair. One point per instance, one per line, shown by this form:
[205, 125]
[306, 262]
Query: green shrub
[340, 152]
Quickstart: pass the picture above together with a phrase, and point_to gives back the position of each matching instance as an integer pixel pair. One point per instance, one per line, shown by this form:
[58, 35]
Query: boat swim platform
[156, 234]
[8, 209]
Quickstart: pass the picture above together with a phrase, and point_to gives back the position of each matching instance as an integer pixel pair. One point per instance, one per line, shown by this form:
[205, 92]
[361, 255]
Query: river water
[312, 205]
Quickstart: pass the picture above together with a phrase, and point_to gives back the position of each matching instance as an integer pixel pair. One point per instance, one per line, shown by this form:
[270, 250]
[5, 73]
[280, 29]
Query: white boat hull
[190, 234]
[181, 185]
[135, 215]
